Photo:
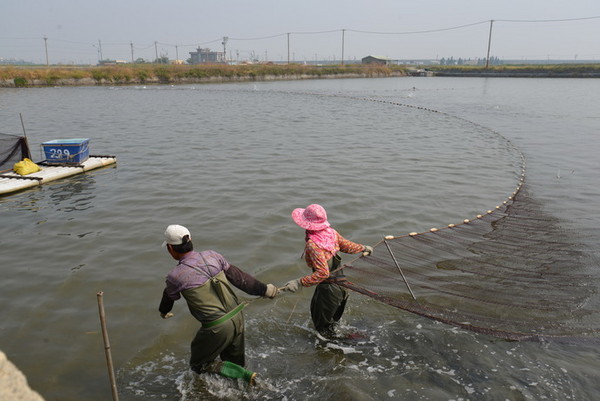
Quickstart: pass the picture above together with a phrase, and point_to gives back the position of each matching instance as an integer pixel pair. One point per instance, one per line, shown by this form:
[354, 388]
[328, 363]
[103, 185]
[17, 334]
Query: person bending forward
[204, 279]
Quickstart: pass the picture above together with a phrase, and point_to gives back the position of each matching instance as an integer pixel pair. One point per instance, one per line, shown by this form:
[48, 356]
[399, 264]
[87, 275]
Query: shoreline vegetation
[142, 74]
[569, 70]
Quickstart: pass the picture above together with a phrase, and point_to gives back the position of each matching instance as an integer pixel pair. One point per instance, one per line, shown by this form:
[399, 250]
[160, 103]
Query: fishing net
[512, 272]
[12, 150]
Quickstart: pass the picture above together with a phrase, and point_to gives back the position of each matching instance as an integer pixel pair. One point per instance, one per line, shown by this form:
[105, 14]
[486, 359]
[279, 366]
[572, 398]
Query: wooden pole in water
[23, 125]
[399, 269]
[25, 136]
[111, 373]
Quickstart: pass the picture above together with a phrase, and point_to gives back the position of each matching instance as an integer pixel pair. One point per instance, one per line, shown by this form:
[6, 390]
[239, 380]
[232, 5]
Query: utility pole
[288, 45]
[487, 59]
[176, 53]
[343, 33]
[132, 60]
[100, 50]
[156, 51]
[224, 43]
[46, 46]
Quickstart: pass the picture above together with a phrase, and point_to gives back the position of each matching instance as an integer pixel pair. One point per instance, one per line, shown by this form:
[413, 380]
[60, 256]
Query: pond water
[230, 162]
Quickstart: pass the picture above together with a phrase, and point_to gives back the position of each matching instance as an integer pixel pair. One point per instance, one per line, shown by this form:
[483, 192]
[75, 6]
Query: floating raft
[12, 182]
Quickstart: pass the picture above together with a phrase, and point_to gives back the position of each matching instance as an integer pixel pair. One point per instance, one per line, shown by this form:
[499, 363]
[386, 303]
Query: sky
[80, 31]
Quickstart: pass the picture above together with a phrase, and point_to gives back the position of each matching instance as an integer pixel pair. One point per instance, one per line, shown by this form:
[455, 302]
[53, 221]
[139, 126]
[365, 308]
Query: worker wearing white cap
[204, 279]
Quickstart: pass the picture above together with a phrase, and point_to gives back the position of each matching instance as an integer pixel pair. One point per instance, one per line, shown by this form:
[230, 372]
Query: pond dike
[10, 83]
[518, 74]
[13, 384]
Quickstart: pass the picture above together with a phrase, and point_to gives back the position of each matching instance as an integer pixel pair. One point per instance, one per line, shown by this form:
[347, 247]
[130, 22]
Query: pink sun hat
[313, 218]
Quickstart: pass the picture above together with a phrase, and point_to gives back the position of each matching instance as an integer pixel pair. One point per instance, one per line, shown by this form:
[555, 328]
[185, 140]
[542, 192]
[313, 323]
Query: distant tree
[140, 60]
[162, 60]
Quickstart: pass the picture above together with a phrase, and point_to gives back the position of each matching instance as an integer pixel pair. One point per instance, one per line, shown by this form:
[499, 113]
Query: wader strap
[226, 316]
[336, 261]
[213, 282]
[217, 285]
[337, 276]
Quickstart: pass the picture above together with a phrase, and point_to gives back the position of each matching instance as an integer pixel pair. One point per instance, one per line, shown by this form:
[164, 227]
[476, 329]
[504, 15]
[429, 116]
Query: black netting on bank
[12, 150]
[513, 273]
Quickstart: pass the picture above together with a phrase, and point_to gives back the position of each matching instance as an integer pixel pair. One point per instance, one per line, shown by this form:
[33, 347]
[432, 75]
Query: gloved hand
[271, 291]
[166, 315]
[292, 286]
[367, 251]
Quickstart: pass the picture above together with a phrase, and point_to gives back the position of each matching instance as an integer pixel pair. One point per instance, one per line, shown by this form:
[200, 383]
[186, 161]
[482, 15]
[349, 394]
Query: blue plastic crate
[67, 151]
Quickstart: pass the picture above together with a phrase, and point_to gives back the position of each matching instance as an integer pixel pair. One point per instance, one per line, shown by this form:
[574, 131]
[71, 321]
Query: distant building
[376, 60]
[111, 62]
[204, 56]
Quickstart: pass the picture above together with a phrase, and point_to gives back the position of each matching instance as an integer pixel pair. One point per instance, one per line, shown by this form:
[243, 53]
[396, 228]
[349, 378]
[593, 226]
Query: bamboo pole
[25, 136]
[111, 373]
[399, 269]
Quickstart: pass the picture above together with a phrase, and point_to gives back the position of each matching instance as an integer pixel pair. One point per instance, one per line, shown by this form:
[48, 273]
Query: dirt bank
[11, 77]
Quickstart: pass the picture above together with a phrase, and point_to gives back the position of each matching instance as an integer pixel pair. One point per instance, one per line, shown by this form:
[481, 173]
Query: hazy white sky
[76, 29]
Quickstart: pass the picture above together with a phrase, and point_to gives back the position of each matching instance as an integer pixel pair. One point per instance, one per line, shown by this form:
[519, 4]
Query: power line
[548, 20]
[55, 42]
[317, 32]
[193, 45]
[144, 48]
[417, 32]
[264, 37]
[8, 38]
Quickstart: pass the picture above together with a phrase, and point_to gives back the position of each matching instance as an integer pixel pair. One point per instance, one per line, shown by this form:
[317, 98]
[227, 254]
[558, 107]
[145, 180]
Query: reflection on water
[75, 193]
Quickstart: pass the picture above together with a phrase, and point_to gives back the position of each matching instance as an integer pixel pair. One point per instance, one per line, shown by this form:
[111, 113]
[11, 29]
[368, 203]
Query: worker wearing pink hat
[321, 254]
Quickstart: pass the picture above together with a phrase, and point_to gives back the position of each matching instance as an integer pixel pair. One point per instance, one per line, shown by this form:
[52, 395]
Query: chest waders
[214, 302]
[216, 306]
[329, 301]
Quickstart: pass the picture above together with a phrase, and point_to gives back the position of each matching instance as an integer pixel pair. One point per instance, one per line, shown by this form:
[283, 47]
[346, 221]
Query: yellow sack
[25, 167]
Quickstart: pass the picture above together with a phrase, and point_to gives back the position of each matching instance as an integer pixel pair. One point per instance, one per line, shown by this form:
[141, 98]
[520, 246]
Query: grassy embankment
[11, 76]
[35, 76]
[529, 70]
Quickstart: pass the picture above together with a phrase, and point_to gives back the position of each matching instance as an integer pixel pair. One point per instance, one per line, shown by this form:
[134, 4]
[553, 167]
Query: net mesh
[513, 273]
[12, 150]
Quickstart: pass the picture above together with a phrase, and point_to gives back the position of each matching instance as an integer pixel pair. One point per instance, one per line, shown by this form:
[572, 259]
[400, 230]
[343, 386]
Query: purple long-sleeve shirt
[195, 268]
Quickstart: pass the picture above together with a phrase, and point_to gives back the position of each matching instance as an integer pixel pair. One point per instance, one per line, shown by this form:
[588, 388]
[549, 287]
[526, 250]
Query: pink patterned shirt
[317, 259]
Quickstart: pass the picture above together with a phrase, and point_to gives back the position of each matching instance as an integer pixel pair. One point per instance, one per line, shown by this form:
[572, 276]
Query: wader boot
[231, 371]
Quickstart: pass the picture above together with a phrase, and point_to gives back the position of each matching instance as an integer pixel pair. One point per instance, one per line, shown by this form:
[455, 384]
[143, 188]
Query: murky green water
[230, 162]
